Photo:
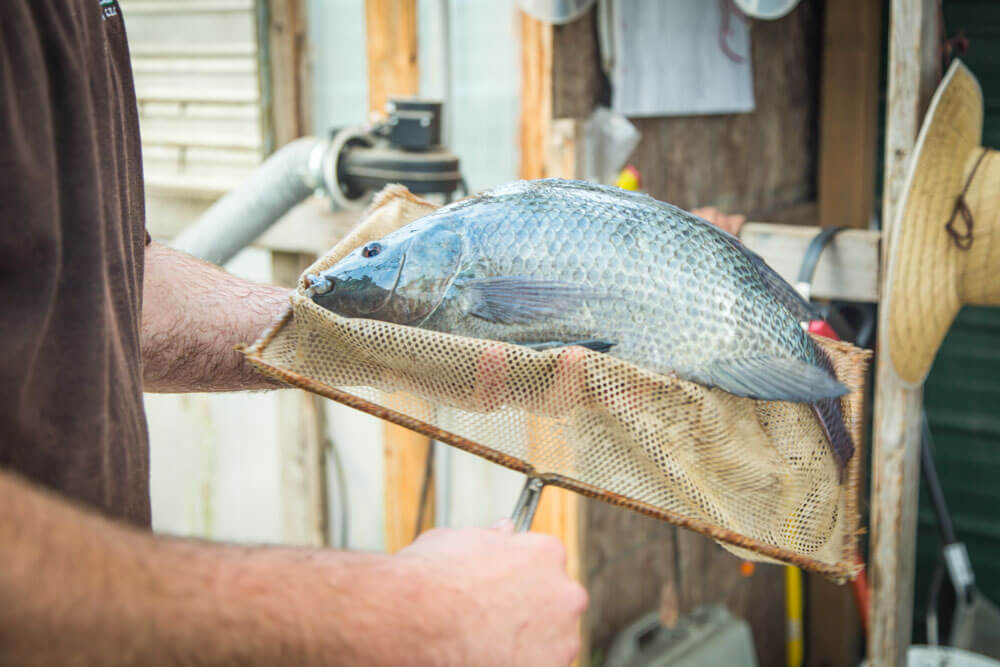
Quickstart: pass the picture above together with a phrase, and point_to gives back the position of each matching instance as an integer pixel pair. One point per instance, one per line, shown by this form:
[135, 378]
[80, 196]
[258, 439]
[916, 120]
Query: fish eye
[371, 250]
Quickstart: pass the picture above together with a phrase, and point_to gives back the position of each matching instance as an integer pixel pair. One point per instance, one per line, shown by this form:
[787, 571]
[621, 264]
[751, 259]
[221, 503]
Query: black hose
[947, 529]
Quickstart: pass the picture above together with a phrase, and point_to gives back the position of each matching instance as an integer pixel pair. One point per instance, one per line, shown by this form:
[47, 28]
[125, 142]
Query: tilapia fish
[552, 262]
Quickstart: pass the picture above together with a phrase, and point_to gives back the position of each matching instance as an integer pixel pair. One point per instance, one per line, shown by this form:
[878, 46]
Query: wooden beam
[896, 442]
[405, 461]
[577, 79]
[302, 424]
[536, 96]
[564, 157]
[848, 269]
[849, 112]
[287, 112]
[391, 30]
[833, 628]
[560, 514]
[552, 147]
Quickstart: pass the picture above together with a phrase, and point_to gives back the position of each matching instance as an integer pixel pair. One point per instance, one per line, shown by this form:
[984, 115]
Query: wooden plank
[310, 227]
[833, 629]
[849, 112]
[302, 429]
[560, 512]
[405, 460]
[391, 32]
[848, 269]
[536, 96]
[287, 115]
[391, 29]
[896, 442]
[301, 416]
[577, 80]
[760, 164]
[804, 213]
[566, 135]
[752, 163]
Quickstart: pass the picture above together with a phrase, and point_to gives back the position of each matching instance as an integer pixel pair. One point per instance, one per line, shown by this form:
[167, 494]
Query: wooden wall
[761, 164]
[758, 163]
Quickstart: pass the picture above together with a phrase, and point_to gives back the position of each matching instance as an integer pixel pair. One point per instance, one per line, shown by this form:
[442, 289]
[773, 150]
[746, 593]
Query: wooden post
[536, 96]
[550, 148]
[391, 30]
[302, 424]
[896, 443]
[849, 112]
[405, 462]
[302, 429]
[287, 113]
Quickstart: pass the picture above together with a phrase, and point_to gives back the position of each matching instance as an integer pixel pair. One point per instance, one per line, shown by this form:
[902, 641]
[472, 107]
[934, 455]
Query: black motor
[405, 148]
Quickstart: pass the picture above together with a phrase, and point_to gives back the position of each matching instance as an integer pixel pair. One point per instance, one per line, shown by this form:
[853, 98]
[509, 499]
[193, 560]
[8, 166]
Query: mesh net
[756, 476]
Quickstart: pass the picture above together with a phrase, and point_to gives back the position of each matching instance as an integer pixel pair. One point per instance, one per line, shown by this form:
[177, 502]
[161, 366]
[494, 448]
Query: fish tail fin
[831, 418]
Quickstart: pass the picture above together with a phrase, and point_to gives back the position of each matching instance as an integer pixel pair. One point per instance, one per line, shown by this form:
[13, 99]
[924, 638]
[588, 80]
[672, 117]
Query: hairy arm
[76, 588]
[79, 589]
[193, 314]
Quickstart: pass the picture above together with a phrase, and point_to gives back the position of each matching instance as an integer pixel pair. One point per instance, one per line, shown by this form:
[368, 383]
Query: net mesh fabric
[757, 476]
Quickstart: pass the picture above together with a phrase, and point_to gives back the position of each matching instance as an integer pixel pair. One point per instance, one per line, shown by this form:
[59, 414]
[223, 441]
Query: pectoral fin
[771, 379]
[522, 300]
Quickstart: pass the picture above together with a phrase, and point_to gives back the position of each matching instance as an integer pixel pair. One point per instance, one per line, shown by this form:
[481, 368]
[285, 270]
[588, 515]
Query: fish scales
[553, 262]
[668, 289]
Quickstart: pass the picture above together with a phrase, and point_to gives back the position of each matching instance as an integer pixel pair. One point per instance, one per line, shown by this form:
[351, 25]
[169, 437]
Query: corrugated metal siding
[962, 394]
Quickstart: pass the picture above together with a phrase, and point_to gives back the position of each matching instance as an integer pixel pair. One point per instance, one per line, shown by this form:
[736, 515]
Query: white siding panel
[197, 82]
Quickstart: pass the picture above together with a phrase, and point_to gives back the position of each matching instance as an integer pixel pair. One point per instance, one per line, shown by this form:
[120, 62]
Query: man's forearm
[193, 314]
[76, 588]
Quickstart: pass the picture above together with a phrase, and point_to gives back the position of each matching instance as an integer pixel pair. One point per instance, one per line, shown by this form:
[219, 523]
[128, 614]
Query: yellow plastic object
[794, 648]
[628, 178]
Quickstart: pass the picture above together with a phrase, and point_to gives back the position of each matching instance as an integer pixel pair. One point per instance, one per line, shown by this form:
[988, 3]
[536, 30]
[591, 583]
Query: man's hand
[511, 601]
[730, 222]
[76, 588]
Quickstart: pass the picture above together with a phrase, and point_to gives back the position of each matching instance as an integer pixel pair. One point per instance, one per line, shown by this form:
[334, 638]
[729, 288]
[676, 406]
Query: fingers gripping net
[757, 476]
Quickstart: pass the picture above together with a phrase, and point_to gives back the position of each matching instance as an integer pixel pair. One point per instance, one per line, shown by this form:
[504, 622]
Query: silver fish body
[553, 262]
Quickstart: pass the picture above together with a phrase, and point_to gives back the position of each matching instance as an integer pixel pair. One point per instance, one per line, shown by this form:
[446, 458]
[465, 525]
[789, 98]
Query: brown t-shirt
[72, 238]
